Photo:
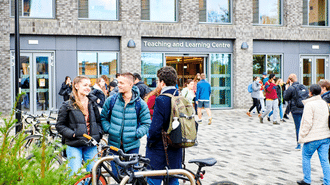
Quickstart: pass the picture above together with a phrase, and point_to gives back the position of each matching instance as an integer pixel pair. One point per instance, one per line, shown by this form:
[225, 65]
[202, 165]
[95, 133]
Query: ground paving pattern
[249, 152]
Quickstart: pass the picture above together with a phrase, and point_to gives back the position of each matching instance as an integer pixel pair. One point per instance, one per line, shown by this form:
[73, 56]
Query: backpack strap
[137, 109]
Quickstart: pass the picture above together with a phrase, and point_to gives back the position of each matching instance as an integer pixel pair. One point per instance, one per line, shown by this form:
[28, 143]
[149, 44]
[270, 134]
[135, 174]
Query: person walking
[143, 88]
[271, 99]
[280, 88]
[161, 118]
[77, 116]
[203, 94]
[125, 117]
[255, 94]
[291, 96]
[188, 92]
[196, 80]
[66, 88]
[315, 134]
[99, 90]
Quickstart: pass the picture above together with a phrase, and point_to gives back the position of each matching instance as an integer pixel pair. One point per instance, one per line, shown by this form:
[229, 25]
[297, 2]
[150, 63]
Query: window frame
[98, 75]
[315, 26]
[176, 15]
[265, 63]
[89, 19]
[29, 17]
[220, 23]
[281, 17]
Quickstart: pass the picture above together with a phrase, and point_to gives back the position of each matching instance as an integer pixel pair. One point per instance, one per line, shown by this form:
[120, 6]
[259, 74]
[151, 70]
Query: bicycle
[134, 168]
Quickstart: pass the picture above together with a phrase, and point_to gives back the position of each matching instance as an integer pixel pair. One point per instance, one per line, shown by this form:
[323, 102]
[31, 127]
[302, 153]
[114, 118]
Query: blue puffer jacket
[123, 126]
[203, 90]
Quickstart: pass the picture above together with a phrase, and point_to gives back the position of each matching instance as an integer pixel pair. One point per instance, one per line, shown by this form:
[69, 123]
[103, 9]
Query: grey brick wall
[129, 26]
[5, 57]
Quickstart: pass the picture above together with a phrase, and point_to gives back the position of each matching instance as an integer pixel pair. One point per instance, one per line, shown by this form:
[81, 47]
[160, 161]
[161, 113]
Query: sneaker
[298, 147]
[210, 121]
[268, 118]
[249, 114]
[259, 115]
[285, 116]
[302, 182]
[276, 123]
[261, 119]
[283, 120]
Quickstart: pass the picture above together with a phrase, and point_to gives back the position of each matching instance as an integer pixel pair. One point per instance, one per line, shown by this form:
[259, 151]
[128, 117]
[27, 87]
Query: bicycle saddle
[204, 162]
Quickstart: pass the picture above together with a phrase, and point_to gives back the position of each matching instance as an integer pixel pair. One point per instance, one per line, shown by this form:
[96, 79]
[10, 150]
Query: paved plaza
[249, 152]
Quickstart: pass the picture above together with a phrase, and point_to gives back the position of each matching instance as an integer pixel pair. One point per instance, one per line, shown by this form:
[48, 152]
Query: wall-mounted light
[131, 44]
[244, 45]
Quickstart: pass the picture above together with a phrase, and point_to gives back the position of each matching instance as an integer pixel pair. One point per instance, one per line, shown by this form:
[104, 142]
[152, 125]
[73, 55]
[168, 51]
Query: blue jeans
[281, 111]
[113, 164]
[77, 154]
[322, 147]
[297, 120]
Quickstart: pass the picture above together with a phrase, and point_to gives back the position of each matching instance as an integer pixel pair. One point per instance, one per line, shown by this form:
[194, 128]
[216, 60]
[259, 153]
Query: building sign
[186, 45]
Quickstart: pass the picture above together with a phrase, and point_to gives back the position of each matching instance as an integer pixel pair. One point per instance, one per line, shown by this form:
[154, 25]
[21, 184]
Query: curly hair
[168, 75]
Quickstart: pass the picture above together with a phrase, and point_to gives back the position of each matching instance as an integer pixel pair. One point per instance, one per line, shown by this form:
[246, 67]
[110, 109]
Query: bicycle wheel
[27, 143]
[185, 179]
[88, 178]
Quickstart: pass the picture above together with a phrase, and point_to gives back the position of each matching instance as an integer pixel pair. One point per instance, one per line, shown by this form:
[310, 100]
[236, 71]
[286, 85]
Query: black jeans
[256, 103]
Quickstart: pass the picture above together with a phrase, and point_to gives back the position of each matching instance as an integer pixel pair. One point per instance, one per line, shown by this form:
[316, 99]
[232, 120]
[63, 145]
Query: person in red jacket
[151, 98]
[271, 99]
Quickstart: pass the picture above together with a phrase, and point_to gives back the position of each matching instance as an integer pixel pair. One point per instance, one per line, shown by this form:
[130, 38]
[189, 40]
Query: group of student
[125, 116]
[310, 112]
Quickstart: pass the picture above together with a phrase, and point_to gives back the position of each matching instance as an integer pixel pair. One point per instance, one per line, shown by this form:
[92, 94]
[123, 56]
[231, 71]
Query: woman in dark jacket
[76, 117]
[66, 88]
[99, 90]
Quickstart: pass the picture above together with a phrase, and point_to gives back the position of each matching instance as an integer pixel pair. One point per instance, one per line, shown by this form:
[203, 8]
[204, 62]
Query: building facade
[229, 40]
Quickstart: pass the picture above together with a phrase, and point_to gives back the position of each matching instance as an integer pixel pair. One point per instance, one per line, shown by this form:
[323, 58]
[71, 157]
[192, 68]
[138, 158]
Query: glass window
[267, 63]
[267, 12]
[150, 64]
[214, 11]
[96, 64]
[220, 80]
[315, 12]
[97, 9]
[160, 10]
[34, 8]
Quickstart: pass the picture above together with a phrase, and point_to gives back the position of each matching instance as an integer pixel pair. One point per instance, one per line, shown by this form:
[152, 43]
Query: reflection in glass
[320, 69]
[107, 64]
[160, 10]
[88, 64]
[42, 83]
[267, 12]
[25, 82]
[274, 65]
[150, 64]
[98, 9]
[220, 80]
[307, 72]
[35, 8]
[315, 12]
[214, 11]
[258, 65]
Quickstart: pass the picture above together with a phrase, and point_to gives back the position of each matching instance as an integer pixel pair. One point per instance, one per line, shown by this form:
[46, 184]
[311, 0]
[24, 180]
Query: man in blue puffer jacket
[125, 127]
[202, 98]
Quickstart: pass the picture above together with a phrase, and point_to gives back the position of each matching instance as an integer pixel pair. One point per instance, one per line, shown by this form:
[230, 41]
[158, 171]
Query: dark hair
[113, 84]
[117, 75]
[254, 78]
[271, 76]
[315, 89]
[137, 76]
[66, 78]
[325, 83]
[168, 75]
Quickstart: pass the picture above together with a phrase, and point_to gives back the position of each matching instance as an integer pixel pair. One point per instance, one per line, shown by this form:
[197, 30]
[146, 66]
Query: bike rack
[97, 163]
[160, 173]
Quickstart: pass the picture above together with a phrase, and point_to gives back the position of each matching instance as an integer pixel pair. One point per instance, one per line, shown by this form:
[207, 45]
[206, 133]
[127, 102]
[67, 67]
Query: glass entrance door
[313, 69]
[37, 74]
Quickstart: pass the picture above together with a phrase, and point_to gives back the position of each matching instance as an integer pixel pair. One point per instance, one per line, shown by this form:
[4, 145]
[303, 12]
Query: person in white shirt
[188, 92]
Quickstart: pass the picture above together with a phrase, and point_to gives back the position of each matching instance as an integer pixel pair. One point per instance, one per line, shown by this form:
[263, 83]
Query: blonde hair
[76, 101]
[98, 83]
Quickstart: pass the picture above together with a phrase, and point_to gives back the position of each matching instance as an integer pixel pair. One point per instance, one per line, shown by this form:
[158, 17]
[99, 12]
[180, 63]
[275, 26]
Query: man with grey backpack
[295, 94]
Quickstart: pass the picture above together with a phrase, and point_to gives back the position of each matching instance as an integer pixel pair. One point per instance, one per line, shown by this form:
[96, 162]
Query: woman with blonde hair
[99, 90]
[77, 116]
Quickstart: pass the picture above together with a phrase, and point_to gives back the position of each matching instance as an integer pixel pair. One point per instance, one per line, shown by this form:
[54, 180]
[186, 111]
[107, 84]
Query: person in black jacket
[143, 88]
[325, 93]
[99, 90]
[76, 117]
[290, 95]
[66, 88]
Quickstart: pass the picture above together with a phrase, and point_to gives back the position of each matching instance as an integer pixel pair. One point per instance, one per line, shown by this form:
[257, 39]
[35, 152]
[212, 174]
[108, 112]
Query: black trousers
[256, 103]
